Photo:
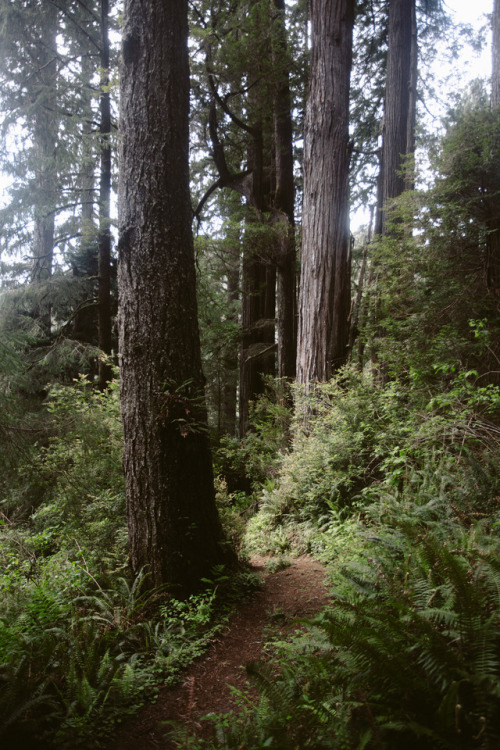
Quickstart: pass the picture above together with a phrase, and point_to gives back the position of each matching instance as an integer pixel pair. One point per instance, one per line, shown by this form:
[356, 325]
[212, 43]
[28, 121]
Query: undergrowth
[82, 644]
[400, 499]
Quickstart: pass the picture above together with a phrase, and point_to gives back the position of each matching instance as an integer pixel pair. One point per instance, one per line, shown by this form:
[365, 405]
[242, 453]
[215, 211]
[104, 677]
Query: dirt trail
[293, 592]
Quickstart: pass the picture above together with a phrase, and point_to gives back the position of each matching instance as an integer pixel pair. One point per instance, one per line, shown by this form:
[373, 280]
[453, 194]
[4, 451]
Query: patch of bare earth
[296, 591]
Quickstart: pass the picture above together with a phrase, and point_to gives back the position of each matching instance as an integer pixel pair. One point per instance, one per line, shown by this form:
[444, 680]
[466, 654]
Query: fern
[410, 653]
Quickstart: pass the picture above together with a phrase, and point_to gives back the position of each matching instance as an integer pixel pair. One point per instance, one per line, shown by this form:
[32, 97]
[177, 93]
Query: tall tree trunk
[357, 307]
[397, 101]
[174, 529]
[258, 302]
[104, 237]
[284, 202]
[257, 354]
[229, 395]
[412, 104]
[85, 260]
[45, 141]
[325, 276]
[495, 73]
[493, 269]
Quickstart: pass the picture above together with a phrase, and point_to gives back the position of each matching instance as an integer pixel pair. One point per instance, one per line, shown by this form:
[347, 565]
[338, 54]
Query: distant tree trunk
[85, 259]
[495, 76]
[325, 276]
[231, 358]
[257, 353]
[258, 302]
[412, 104]
[255, 183]
[104, 237]
[357, 307]
[284, 202]
[174, 529]
[45, 140]
[397, 111]
[493, 260]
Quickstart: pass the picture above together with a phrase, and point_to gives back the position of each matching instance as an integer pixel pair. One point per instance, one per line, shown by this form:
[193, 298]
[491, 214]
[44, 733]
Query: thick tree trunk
[397, 101]
[104, 237]
[325, 276]
[173, 525]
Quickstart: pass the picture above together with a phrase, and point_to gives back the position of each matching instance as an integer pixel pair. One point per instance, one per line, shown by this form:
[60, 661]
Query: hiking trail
[290, 593]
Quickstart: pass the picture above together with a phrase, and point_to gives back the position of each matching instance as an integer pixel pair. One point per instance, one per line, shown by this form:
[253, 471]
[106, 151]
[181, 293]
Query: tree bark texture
[104, 237]
[173, 524]
[412, 103]
[325, 276]
[397, 117]
[284, 202]
[493, 251]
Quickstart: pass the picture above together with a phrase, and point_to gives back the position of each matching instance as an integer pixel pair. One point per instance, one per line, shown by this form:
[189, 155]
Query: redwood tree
[104, 236]
[493, 260]
[325, 275]
[399, 108]
[173, 524]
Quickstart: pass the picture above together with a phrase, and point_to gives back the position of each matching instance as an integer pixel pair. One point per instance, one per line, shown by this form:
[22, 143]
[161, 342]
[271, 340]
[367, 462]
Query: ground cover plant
[392, 479]
[82, 644]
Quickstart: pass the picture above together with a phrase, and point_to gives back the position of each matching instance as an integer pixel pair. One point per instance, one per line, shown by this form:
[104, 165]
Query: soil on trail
[293, 592]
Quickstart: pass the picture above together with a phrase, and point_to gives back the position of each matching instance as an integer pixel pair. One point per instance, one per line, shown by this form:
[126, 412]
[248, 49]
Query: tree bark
[325, 275]
[84, 261]
[258, 303]
[493, 259]
[397, 102]
[230, 385]
[104, 237]
[174, 529]
[412, 104]
[284, 202]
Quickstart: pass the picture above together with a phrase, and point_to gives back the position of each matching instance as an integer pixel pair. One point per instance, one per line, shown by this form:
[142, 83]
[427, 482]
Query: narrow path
[293, 592]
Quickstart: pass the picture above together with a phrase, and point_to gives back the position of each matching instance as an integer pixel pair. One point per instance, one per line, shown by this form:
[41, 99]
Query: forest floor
[208, 685]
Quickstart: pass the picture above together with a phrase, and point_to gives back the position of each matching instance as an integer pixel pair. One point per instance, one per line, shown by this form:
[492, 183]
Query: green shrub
[408, 654]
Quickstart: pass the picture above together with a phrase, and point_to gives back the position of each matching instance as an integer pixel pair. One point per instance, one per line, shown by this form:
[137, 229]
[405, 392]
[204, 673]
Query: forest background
[384, 464]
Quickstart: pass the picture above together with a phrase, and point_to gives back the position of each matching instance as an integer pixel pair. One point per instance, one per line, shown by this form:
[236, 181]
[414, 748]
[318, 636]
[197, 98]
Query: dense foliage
[389, 473]
[82, 644]
[392, 479]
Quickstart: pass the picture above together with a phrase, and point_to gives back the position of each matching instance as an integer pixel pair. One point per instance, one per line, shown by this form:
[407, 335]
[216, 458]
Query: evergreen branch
[70, 16]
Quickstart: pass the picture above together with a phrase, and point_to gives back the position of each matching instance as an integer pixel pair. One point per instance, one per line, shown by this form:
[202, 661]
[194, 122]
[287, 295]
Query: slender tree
[174, 529]
[284, 199]
[325, 274]
[45, 132]
[493, 268]
[495, 47]
[104, 236]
